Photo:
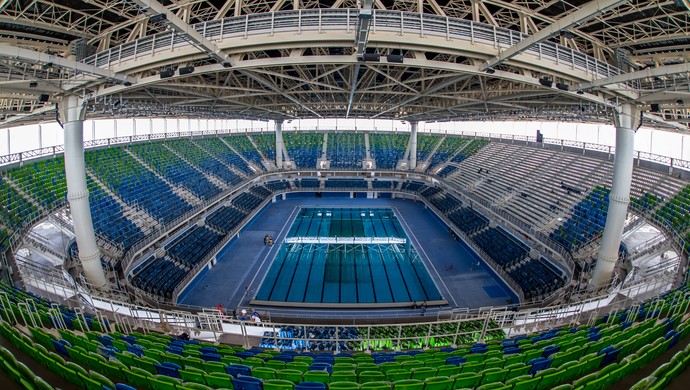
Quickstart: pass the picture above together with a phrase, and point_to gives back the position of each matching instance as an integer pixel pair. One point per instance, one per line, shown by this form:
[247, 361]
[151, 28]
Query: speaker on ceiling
[656, 107]
[186, 70]
[164, 74]
[43, 97]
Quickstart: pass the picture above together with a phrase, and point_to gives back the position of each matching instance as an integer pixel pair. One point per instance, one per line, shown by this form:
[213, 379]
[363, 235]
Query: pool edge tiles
[347, 257]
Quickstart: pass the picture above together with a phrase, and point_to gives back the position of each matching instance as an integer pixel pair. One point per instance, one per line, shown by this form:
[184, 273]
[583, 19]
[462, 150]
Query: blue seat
[210, 357]
[283, 358]
[123, 386]
[168, 369]
[611, 355]
[247, 383]
[238, 369]
[538, 364]
[456, 360]
[310, 386]
[551, 349]
[320, 366]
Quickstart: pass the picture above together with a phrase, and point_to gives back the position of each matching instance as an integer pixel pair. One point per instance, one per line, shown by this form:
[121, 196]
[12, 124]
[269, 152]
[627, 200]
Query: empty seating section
[126, 177]
[468, 220]
[676, 212]
[15, 208]
[413, 186]
[175, 169]
[307, 183]
[505, 250]
[267, 145]
[387, 148]
[247, 202]
[588, 220]
[447, 170]
[109, 220]
[204, 161]
[160, 277]
[588, 356]
[445, 151]
[346, 150]
[43, 180]
[304, 148]
[425, 145]
[225, 219]
[244, 146]
[646, 203]
[445, 202]
[383, 184]
[536, 278]
[194, 246]
[278, 186]
[261, 191]
[346, 183]
[221, 151]
[469, 150]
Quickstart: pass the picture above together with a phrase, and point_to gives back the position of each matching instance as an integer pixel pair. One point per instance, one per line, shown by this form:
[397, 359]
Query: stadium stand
[387, 149]
[588, 220]
[225, 219]
[204, 161]
[304, 148]
[126, 177]
[445, 151]
[425, 145]
[169, 165]
[266, 144]
[346, 183]
[222, 152]
[676, 212]
[346, 150]
[242, 145]
[307, 183]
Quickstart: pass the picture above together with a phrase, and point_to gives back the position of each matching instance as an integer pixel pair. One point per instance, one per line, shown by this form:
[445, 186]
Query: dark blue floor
[242, 264]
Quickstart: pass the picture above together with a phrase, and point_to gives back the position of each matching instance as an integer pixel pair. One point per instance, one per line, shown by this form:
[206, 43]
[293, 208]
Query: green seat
[347, 367]
[146, 363]
[466, 380]
[412, 364]
[563, 387]
[343, 359]
[218, 380]
[275, 364]
[192, 362]
[403, 358]
[580, 383]
[491, 375]
[88, 383]
[137, 377]
[210, 367]
[366, 366]
[287, 374]
[438, 383]
[264, 373]
[550, 377]
[376, 385]
[299, 366]
[387, 366]
[493, 363]
[493, 386]
[41, 384]
[408, 384]
[363, 358]
[397, 374]
[422, 373]
[231, 360]
[192, 374]
[194, 386]
[517, 369]
[523, 382]
[434, 363]
[257, 362]
[304, 359]
[371, 376]
[113, 369]
[448, 370]
[101, 379]
[317, 376]
[471, 367]
[343, 386]
[278, 384]
[344, 376]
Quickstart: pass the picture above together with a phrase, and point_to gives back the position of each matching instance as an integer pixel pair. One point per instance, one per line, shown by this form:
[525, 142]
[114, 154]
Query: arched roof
[425, 60]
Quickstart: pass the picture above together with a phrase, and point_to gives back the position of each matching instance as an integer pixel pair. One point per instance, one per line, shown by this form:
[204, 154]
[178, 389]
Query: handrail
[337, 19]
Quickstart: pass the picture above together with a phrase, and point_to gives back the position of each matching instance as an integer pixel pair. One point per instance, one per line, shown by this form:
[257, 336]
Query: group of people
[244, 314]
[268, 240]
[422, 308]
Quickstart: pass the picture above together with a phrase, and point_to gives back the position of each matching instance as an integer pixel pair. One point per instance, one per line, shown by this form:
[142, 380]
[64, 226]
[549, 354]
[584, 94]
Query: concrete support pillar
[78, 194]
[627, 121]
[279, 143]
[413, 145]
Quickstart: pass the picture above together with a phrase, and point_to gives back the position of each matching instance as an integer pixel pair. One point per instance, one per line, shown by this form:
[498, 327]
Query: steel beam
[665, 70]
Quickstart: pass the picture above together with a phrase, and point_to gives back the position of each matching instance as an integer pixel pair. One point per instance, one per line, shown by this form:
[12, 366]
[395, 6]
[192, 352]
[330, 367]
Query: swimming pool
[347, 256]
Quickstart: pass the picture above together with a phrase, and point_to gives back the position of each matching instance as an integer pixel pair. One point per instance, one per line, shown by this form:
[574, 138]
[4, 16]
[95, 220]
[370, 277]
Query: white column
[413, 145]
[627, 121]
[279, 143]
[78, 194]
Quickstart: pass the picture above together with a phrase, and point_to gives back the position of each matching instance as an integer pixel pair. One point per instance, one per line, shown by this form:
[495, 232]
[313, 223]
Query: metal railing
[345, 20]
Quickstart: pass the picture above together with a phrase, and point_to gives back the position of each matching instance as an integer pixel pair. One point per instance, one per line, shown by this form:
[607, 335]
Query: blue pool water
[321, 270]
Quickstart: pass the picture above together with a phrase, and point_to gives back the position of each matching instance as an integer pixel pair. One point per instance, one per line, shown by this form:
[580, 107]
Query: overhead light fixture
[490, 70]
[166, 73]
[226, 64]
[43, 97]
[33, 84]
[656, 107]
[580, 92]
[545, 82]
[562, 86]
[371, 57]
[395, 58]
[127, 84]
[186, 70]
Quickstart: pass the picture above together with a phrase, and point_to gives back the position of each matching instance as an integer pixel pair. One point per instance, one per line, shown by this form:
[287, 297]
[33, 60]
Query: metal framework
[264, 59]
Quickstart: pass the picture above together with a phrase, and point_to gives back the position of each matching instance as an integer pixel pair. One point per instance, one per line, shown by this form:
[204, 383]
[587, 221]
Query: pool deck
[462, 279]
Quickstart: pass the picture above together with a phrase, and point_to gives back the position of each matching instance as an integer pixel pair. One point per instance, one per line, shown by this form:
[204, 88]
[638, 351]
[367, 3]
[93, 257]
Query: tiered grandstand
[344, 195]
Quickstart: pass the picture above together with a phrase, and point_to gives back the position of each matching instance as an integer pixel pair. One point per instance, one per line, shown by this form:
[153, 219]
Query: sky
[25, 138]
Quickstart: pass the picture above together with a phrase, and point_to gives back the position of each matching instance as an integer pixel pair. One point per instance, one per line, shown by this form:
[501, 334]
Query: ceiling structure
[415, 60]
